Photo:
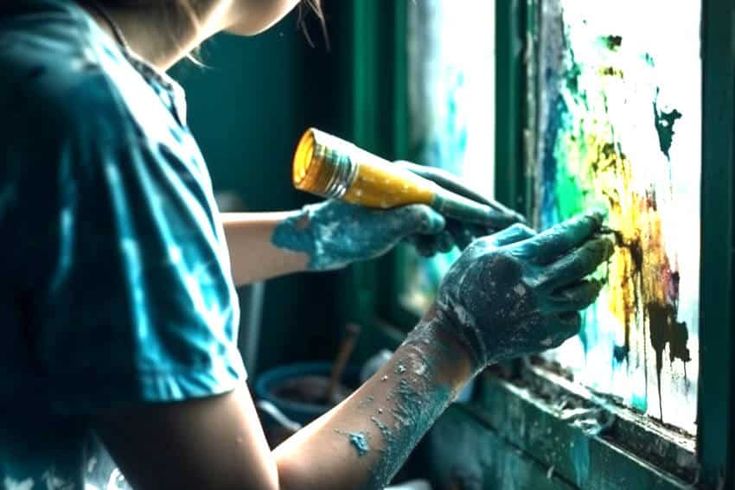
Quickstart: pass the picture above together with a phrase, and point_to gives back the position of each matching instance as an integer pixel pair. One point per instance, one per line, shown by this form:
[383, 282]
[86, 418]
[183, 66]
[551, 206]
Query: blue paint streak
[360, 442]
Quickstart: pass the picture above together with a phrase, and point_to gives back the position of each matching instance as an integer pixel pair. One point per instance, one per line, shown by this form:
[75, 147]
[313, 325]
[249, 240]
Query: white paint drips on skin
[416, 399]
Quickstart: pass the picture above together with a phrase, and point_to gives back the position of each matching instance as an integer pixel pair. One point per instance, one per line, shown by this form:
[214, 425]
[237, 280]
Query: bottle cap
[323, 165]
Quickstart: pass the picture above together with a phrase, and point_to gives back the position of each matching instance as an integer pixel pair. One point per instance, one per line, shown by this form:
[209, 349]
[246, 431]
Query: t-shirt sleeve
[136, 302]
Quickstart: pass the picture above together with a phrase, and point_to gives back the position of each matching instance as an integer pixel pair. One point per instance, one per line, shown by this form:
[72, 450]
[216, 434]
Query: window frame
[631, 451]
[716, 432]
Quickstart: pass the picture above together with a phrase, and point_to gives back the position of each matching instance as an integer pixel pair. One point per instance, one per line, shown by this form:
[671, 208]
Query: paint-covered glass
[452, 109]
[619, 118]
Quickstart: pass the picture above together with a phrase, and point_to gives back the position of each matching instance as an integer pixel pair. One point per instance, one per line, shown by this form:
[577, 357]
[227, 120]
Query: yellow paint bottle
[334, 168]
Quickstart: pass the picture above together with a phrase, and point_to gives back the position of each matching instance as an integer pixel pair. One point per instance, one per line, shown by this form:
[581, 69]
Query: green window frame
[625, 451]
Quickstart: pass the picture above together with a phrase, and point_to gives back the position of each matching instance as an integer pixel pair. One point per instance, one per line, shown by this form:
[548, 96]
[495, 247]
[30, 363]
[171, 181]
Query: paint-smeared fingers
[501, 219]
[479, 230]
[462, 234]
[444, 179]
[444, 242]
[575, 297]
[415, 218]
[576, 265]
[549, 244]
[513, 234]
[425, 245]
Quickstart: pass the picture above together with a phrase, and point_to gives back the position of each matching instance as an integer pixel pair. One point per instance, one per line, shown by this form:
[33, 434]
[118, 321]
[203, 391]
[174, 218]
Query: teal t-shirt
[115, 286]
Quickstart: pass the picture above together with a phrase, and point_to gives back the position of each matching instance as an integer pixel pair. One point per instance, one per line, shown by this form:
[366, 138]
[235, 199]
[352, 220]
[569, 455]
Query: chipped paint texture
[620, 120]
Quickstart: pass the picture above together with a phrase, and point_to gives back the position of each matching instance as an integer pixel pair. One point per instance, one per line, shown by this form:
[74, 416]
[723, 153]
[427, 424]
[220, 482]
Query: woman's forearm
[365, 440]
[253, 257]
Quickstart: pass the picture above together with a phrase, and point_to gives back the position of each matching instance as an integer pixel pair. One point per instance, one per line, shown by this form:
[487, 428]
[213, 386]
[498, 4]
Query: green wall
[247, 108]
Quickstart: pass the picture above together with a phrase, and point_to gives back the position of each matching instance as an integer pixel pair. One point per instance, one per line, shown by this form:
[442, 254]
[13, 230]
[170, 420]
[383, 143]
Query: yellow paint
[383, 185]
[606, 175]
[322, 159]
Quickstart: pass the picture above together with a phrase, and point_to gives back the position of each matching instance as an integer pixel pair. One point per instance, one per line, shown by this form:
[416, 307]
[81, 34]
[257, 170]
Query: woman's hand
[334, 234]
[456, 232]
[518, 292]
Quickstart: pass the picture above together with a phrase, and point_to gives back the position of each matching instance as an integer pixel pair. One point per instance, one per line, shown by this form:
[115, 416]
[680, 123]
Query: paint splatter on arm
[369, 436]
[335, 234]
[513, 293]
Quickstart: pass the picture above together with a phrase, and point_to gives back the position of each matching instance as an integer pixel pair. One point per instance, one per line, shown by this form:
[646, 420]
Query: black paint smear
[651, 200]
[620, 352]
[611, 71]
[675, 280]
[665, 121]
[611, 158]
[613, 42]
[666, 330]
[634, 248]
[572, 78]
[660, 317]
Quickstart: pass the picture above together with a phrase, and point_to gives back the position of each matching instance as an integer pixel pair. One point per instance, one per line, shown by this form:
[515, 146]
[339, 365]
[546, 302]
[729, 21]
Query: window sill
[582, 437]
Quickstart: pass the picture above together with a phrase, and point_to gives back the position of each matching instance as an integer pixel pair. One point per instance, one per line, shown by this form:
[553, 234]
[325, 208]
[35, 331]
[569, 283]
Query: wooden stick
[352, 330]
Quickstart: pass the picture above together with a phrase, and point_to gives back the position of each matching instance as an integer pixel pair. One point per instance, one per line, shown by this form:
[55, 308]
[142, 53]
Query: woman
[118, 310]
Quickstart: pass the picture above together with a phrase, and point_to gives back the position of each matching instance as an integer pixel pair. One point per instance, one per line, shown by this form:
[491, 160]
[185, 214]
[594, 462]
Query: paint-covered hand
[457, 232]
[335, 234]
[518, 292]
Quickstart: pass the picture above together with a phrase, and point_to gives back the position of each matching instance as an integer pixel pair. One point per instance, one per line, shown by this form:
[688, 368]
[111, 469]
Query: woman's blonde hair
[314, 6]
[188, 9]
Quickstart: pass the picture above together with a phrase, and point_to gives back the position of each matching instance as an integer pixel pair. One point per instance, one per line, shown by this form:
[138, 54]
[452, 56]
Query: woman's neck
[161, 35]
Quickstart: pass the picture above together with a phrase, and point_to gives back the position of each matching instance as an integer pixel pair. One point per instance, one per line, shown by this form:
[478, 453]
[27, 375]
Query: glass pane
[620, 124]
[452, 109]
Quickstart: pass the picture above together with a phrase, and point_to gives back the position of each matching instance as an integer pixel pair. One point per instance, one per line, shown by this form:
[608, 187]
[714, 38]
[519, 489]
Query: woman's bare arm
[323, 236]
[253, 256]
[218, 442]
[513, 293]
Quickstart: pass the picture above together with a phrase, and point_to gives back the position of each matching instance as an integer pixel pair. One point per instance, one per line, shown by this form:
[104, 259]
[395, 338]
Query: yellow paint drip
[639, 271]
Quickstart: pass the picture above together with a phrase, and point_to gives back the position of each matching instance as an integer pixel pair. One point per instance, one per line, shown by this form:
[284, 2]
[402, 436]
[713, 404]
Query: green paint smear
[570, 193]
[612, 42]
[665, 121]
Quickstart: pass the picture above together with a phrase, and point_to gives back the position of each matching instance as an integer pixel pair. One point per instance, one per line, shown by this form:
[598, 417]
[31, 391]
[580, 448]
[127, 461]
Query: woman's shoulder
[66, 76]
[53, 72]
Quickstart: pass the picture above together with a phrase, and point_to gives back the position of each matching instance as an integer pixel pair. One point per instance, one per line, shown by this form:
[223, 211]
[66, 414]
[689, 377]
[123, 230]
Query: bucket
[278, 385]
